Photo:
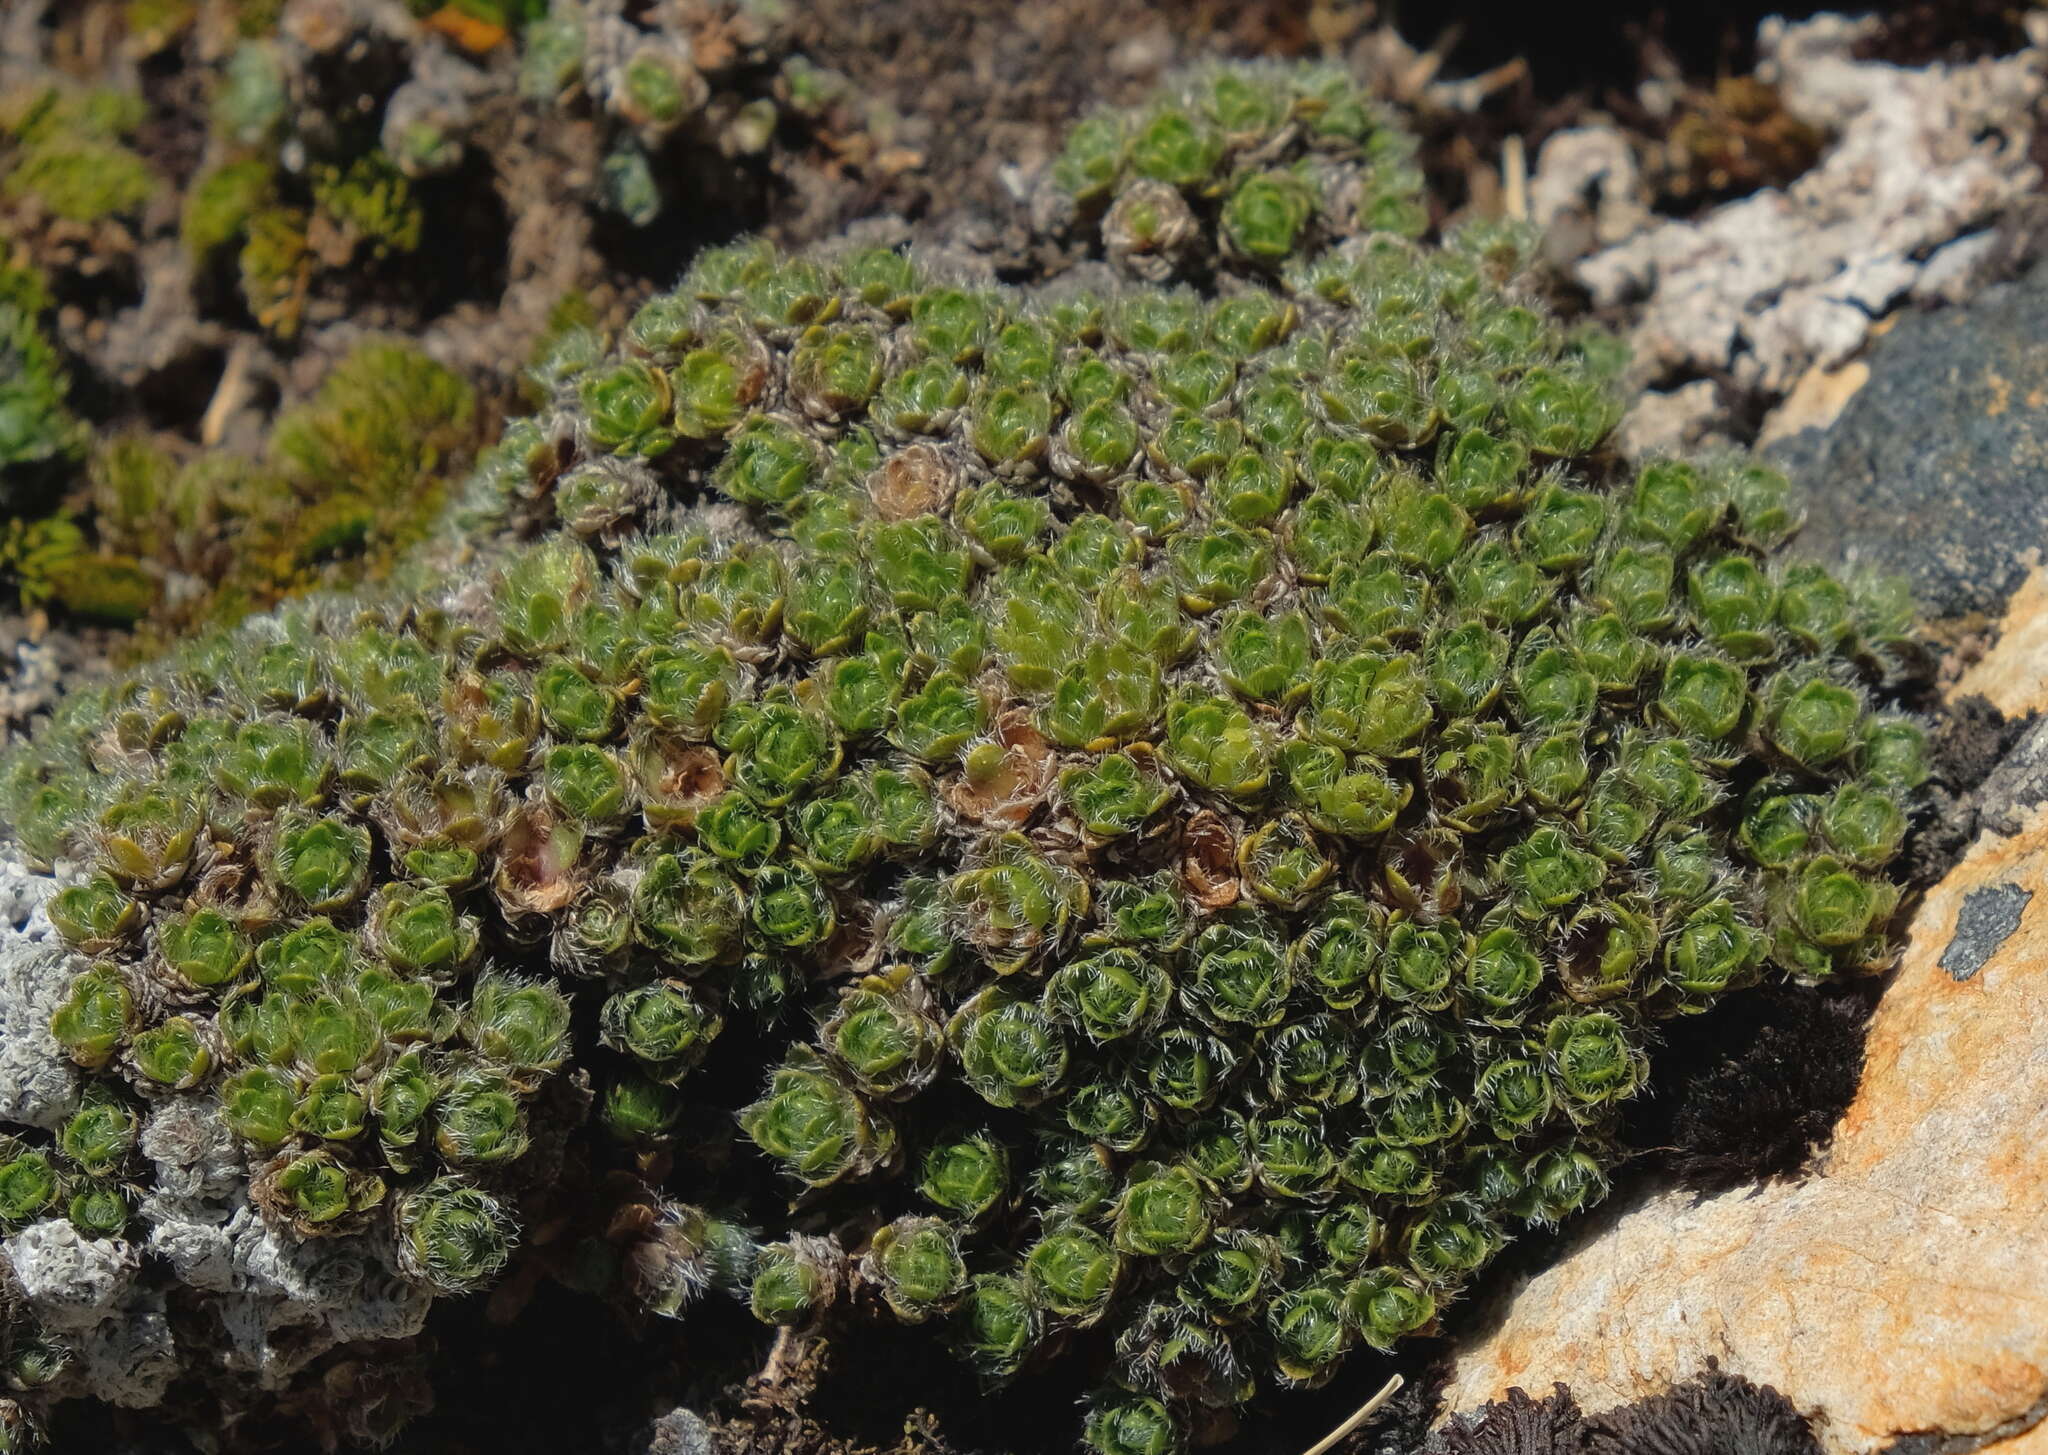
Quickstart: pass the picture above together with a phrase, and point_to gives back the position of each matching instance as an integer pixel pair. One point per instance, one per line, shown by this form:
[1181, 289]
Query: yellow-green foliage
[153, 25]
[367, 205]
[69, 154]
[36, 425]
[256, 17]
[336, 207]
[351, 477]
[222, 202]
[383, 421]
[52, 563]
[275, 268]
[48, 560]
[371, 201]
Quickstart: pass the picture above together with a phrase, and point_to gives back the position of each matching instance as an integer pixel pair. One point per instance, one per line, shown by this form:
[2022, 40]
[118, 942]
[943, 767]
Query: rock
[1679, 421]
[1768, 286]
[2030, 1442]
[39, 1086]
[2018, 783]
[1937, 466]
[2008, 677]
[1815, 402]
[1952, 273]
[679, 1432]
[71, 1281]
[1590, 172]
[1902, 1290]
[1987, 920]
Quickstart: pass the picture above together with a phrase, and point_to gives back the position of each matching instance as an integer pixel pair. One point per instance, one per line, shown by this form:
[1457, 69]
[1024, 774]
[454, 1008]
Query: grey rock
[2018, 783]
[679, 1432]
[39, 1087]
[1591, 171]
[1770, 285]
[128, 1360]
[1937, 467]
[71, 1281]
[1986, 921]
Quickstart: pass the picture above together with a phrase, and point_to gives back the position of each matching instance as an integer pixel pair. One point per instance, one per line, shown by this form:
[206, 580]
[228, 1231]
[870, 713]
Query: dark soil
[1970, 737]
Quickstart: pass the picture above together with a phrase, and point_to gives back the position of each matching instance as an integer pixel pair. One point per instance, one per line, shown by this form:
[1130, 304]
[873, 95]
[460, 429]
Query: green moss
[37, 427]
[352, 478]
[154, 25]
[275, 266]
[372, 202]
[69, 155]
[51, 563]
[221, 204]
[383, 419]
[81, 180]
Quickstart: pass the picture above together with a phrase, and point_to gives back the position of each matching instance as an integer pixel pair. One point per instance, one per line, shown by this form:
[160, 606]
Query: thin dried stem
[1358, 1416]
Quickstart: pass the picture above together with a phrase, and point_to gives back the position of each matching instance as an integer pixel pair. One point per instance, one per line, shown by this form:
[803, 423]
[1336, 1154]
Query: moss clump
[37, 427]
[351, 479]
[320, 146]
[68, 154]
[1204, 797]
[344, 208]
[371, 201]
[223, 204]
[386, 419]
[51, 562]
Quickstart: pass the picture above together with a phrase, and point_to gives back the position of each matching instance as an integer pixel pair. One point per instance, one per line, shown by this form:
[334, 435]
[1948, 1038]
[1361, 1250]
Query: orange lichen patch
[471, 32]
[894, 161]
[1815, 402]
[1903, 1287]
[2010, 674]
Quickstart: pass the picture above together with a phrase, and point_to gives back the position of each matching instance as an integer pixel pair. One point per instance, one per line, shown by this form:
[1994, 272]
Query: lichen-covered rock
[1763, 288]
[1934, 466]
[1587, 178]
[39, 1087]
[71, 1281]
